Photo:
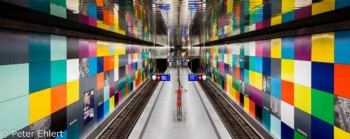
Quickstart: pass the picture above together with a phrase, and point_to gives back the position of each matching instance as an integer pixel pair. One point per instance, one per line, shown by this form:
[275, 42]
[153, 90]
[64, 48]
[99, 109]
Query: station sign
[197, 77]
[185, 60]
[163, 77]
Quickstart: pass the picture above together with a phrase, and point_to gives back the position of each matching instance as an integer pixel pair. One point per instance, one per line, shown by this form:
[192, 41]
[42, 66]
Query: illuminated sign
[193, 77]
[165, 77]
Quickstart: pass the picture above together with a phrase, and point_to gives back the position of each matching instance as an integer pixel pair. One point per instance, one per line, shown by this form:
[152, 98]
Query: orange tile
[237, 72]
[237, 97]
[105, 63]
[287, 89]
[252, 108]
[111, 62]
[126, 91]
[341, 80]
[58, 97]
[100, 81]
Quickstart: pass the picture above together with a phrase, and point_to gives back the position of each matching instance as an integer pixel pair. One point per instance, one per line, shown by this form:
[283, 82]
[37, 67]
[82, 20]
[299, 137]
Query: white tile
[302, 72]
[116, 74]
[72, 70]
[252, 48]
[287, 114]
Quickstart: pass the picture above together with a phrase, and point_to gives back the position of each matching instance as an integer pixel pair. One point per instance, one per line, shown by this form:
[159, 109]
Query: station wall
[296, 87]
[46, 80]
[126, 17]
[234, 17]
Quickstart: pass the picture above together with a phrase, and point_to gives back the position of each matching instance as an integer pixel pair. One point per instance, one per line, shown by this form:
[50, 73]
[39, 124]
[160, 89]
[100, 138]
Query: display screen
[165, 77]
[88, 106]
[192, 77]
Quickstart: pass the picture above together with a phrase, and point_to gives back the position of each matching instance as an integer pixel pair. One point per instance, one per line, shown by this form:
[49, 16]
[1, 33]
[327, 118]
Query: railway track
[124, 123]
[234, 123]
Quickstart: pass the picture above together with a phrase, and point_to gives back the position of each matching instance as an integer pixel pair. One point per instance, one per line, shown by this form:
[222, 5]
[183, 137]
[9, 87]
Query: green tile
[59, 3]
[14, 81]
[246, 76]
[58, 47]
[237, 84]
[14, 114]
[297, 135]
[58, 72]
[252, 63]
[58, 11]
[322, 105]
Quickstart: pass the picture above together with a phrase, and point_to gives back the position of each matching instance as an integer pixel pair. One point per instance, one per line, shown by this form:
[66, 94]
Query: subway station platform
[162, 122]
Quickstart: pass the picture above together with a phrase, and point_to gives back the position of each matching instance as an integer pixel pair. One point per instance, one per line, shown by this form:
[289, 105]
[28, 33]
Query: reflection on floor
[163, 122]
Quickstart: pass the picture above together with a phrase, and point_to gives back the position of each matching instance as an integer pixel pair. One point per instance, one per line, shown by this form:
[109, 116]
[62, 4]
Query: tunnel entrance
[194, 65]
[162, 64]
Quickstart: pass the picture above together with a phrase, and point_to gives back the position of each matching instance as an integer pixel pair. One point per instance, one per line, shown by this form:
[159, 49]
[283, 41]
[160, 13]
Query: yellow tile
[302, 98]
[288, 6]
[258, 80]
[276, 20]
[252, 78]
[111, 104]
[276, 48]
[323, 6]
[340, 134]
[287, 70]
[323, 47]
[72, 92]
[246, 104]
[232, 92]
[116, 61]
[229, 79]
[39, 105]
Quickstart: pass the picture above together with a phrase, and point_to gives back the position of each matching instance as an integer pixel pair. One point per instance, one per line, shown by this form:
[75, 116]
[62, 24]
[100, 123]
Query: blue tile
[92, 66]
[321, 129]
[341, 47]
[73, 131]
[267, 66]
[39, 47]
[39, 76]
[100, 113]
[106, 108]
[287, 17]
[288, 48]
[276, 87]
[62, 136]
[266, 119]
[341, 4]
[286, 132]
[100, 64]
[258, 64]
[322, 76]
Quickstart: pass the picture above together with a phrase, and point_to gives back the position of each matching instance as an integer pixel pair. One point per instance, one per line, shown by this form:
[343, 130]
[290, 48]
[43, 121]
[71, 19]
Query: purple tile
[83, 19]
[259, 25]
[266, 44]
[255, 95]
[111, 90]
[267, 23]
[303, 12]
[83, 48]
[302, 48]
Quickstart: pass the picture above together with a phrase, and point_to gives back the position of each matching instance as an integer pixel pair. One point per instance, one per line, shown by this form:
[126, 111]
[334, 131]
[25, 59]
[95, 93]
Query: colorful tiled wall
[233, 17]
[126, 17]
[296, 87]
[43, 78]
